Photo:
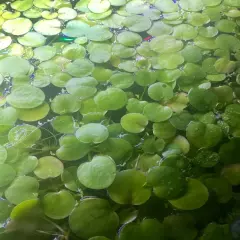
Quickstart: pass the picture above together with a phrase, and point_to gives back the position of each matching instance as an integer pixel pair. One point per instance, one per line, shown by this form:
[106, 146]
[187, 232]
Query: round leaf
[134, 122]
[58, 205]
[98, 214]
[128, 188]
[23, 188]
[48, 167]
[97, 174]
[92, 133]
[195, 197]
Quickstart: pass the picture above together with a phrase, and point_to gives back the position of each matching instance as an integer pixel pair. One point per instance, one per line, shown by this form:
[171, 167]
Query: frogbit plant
[119, 120]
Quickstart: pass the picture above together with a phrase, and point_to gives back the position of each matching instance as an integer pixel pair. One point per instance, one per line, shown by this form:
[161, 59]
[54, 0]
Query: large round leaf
[202, 99]
[82, 88]
[32, 39]
[71, 149]
[21, 66]
[58, 205]
[18, 26]
[33, 114]
[166, 44]
[111, 99]
[203, 135]
[48, 27]
[23, 188]
[160, 91]
[65, 103]
[147, 229]
[137, 23]
[97, 174]
[7, 175]
[118, 149]
[134, 122]
[156, 112]
[3, 154]
[195, 197]
[128, 188]
[80, 68]
[48, 167]
[92, 133]
[24, 136]
[168, 182]
[26, 96]
[97, 214]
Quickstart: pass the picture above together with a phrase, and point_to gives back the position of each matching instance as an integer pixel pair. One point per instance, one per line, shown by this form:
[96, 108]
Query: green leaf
[160, 91]
[167, 182]
[164, 130]
[80, 68]
[44, 53]
[5, 210]
[71, 149]
[22, 67]
[98, 214]
[129, 39]
[203, 135]
[195, 197]
[33, 114]
[134, 122]
[99, 52]
[156, 112]
[166, 6]
[97, 6]
[97, 174]
[82, 88]
[181, 120]
[32, 39]
[65, 103]
[188, 5]
[8, 117]
[166, 44]
[58, 205]
[111, 99]
[92, 133]
[230, 116]
[23, 188]
[24, 136]
[26, 96]
[160, 28]
[7, 175]
[145, 77]
[128, 188]
[206, 158]
[221, 187]
[135, 106]
[64, 124]
[137, 23]
[26, 165]
[48, 27]
[122, 80]
[184, 32]
[231, 173]
[228, 151]
[180, 226]
[70, 179]
[147, 229]
[202, 99]
[48, 167]
[118, 149]
[17, 26]
[3, 154]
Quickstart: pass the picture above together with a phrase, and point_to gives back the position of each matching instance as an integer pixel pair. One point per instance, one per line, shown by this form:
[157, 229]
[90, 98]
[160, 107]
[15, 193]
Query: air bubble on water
[52, 153]
[40, 123]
